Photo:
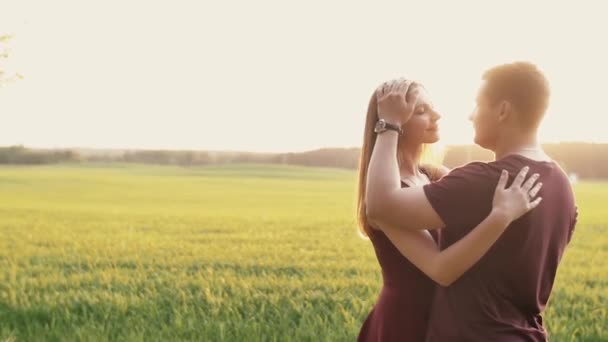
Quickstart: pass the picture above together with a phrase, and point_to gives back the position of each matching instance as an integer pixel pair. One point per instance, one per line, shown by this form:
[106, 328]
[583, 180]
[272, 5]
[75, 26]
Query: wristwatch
[382, 126]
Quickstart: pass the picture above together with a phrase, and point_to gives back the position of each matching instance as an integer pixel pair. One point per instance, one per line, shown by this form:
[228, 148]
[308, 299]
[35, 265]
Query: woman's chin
[432, 138]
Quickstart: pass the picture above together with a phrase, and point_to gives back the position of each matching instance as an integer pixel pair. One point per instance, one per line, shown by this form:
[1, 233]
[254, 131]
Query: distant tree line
[587, 160]
[22, 155]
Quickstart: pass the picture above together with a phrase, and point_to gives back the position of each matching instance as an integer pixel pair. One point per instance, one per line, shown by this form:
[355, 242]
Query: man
[501, 298]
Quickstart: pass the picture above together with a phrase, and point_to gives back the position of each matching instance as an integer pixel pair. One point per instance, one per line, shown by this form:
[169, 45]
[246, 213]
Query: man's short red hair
[524, 86]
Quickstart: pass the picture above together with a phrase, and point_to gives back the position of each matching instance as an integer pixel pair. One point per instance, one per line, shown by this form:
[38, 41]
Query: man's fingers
[535, 189]
[502, 181]
[519, 179]
[530, 182]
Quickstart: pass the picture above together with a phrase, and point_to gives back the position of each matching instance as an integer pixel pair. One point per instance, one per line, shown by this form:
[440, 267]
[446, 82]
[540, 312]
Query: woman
[410, 260]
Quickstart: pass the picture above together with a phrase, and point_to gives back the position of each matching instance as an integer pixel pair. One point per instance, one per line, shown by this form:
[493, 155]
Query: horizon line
[117, 149]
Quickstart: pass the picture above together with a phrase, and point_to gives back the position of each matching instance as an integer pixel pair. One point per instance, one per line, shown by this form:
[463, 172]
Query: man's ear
[505, 111]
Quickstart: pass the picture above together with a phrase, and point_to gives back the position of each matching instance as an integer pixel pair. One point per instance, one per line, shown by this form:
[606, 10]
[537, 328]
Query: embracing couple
[468, 254]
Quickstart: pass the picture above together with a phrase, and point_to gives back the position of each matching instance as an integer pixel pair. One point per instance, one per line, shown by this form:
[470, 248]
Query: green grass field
[235, 253]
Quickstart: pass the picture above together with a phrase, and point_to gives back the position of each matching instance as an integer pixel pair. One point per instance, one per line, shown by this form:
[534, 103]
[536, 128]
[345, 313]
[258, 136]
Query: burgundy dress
[402, 310]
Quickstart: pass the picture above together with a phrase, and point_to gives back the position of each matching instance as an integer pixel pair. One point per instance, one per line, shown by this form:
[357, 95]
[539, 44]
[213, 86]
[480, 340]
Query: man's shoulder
[473, 165]
[476, 171]
[474, 178]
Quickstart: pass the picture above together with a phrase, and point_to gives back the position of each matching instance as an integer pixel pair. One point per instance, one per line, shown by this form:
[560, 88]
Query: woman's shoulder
[434, 172]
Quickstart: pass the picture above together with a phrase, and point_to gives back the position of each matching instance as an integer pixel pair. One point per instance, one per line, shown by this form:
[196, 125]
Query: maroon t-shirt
[502, 296]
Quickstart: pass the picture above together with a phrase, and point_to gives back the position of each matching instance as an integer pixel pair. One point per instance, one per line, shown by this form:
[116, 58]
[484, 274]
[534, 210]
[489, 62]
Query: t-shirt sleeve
[463, 197]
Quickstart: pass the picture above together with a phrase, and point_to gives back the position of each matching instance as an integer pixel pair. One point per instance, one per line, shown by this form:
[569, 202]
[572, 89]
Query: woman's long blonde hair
[430, 156]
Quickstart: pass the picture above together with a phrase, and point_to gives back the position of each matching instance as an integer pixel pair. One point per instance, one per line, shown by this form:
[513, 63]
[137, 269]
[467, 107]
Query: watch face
[380, 126]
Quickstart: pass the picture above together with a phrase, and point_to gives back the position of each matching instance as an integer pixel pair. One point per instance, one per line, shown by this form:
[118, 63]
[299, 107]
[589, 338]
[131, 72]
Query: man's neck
[526, 145]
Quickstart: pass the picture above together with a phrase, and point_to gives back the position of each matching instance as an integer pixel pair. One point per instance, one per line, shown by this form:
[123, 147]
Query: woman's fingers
[386, 87]
[414, 102]
[534, 203]
[530, 182]
[535, 189]
[379, 91]
[502, 181]
[402, 85]
[393, 85]
[401, 81]
[521, 176]
[406, 88]
[399, 85]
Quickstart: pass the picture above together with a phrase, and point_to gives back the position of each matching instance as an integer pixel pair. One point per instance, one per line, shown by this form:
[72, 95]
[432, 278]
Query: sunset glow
[271, 76]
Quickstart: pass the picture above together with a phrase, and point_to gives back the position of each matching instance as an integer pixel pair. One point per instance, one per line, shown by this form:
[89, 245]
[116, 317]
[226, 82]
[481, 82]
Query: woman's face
[422, 127]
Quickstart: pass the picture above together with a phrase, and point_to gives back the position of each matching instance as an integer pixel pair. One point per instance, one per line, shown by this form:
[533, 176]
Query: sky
[277, 76]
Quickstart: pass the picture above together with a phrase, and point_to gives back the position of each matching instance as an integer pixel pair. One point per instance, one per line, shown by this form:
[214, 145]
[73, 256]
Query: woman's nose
[436, 115]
